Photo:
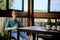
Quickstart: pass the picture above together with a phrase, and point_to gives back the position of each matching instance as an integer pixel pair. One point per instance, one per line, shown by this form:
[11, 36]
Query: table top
[38, 29]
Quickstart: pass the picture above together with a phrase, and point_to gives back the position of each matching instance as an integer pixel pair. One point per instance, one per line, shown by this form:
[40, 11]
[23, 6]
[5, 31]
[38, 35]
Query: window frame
[30, 14]
[51, 15]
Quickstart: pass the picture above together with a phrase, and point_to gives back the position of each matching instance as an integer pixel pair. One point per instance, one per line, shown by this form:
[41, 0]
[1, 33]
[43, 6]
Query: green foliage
[4, 36]
[3, 4]
[49, 22]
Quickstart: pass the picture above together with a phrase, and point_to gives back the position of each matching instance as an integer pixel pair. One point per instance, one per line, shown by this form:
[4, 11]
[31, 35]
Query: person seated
[14, 24]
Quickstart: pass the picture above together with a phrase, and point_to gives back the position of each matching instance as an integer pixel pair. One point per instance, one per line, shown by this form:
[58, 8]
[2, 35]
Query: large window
[55, 6]
[40, 5]
[2, 4]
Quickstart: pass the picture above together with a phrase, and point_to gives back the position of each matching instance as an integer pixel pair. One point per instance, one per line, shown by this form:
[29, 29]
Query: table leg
[18, 34]
[37, 36]
[33, 34]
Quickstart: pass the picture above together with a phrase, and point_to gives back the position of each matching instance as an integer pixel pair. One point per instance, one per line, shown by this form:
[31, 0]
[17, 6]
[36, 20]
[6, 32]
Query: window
[25, 5]
[21, 5]
[40, 5]
[55, 6]
[15, 4]
[2, 4]
[42, 22]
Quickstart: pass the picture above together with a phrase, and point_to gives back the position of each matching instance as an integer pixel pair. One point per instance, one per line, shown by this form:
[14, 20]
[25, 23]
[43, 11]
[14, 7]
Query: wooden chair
[9, 33]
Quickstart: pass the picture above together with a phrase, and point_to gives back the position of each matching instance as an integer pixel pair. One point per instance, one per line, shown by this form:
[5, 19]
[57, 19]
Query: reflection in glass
[55, 6]
[40, 5]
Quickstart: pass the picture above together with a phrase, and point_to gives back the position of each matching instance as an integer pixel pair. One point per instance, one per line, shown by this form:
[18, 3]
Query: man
[14, 24]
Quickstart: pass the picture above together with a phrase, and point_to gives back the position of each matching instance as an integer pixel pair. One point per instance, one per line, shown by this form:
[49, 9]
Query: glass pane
[25, 5]
[55, 6]
[15, 4]
[40, 5]
[42, 22]
[2, 4]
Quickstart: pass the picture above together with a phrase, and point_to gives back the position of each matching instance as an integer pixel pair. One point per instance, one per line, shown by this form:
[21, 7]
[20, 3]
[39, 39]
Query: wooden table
[36, 30]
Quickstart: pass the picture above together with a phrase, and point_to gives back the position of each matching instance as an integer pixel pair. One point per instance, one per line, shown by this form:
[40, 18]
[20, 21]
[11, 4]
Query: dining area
[46, 33]
[29, 19]
[36, 30]
[39, 32]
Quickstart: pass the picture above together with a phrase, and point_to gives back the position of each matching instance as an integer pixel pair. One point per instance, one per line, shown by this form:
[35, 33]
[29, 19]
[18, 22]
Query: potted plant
[4, 36]
[48, 24]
